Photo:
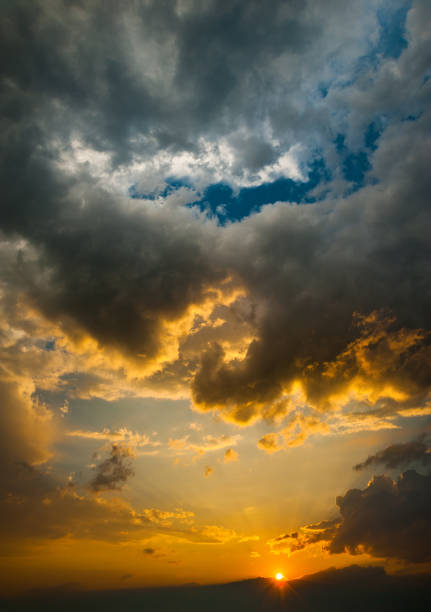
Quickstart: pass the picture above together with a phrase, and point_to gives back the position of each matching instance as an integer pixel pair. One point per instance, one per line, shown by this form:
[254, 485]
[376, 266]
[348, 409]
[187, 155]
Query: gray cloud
[387, 519]
[150, 79]
[399, 455]
[146, 69]
[363, 254]
[153, 76]
[113, 472]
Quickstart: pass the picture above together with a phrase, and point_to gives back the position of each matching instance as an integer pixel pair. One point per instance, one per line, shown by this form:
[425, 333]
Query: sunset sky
[215, 289]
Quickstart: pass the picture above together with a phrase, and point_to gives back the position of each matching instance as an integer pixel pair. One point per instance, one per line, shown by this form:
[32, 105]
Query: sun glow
[279, 576]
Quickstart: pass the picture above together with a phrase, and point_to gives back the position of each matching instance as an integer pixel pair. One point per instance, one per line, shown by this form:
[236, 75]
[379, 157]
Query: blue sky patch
[392, 41]
[355, 165]
[371, 136]
[220, 200]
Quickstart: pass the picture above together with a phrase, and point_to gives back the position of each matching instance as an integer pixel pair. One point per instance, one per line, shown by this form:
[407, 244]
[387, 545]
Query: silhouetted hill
[352, 589]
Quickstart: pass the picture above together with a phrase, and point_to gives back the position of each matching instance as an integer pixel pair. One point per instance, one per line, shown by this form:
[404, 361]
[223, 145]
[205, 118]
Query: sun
[279, 576]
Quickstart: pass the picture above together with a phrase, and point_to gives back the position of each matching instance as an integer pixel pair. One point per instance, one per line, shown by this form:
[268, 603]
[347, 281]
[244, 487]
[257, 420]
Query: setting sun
[279, 576]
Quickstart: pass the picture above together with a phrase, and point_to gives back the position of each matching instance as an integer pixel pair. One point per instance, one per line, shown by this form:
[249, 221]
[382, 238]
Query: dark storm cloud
[311, 268]
[144, 77]
[145, 68]
[221, 49]
[113, 472]
[400, 455]
[118, 274]
[386, 519]
[155, 77]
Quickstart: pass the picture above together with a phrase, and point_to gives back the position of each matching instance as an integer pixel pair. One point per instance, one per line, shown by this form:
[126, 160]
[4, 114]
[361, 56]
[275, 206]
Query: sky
[215, 298]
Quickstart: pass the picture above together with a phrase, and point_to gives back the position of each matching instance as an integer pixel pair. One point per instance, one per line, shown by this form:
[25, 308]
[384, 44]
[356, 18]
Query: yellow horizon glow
[279, 576]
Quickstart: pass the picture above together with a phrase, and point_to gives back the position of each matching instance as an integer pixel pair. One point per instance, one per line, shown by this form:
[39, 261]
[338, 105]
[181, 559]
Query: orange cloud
[269, 443]
[383, 362]
[230, 455]
[133, 439]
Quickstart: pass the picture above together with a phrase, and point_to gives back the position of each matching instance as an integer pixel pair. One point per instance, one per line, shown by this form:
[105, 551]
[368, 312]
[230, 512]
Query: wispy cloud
[208, 443]
[130, 438]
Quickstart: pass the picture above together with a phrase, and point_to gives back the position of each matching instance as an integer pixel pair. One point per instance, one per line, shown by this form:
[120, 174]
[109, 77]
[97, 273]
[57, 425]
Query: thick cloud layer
[334, 295]
[159, 75]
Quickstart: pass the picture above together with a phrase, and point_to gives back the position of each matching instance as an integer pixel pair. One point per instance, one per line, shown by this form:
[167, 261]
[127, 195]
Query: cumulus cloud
[399, 455]
[301, 424]
[386, 519]
[27, 427]
[113, 472]
[28, 430]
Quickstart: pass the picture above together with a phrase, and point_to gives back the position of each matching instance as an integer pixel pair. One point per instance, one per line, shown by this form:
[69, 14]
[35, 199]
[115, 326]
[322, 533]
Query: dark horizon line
[73, 587]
